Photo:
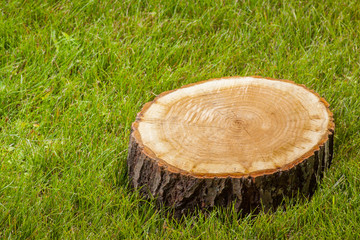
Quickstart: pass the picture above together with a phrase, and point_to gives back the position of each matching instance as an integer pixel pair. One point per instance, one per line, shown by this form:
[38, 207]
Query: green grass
[73, 75]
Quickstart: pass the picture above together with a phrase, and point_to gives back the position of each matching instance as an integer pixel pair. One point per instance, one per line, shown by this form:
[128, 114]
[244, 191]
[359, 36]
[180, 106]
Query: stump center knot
[238, 124]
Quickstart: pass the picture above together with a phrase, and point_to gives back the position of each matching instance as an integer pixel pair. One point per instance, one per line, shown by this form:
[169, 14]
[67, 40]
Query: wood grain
[243, 139]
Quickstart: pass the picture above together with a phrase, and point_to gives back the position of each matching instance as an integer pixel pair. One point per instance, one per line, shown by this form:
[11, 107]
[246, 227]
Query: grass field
[73, 75]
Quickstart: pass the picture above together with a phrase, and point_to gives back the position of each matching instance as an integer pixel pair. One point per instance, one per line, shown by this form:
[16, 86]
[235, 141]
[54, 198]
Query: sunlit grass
[73, 75]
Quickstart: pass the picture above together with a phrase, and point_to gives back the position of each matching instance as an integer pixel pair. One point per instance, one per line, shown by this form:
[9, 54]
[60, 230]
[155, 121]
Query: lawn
[73, 75]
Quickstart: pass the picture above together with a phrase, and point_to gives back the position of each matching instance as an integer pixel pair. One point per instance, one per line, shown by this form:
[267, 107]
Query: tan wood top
[237, 125]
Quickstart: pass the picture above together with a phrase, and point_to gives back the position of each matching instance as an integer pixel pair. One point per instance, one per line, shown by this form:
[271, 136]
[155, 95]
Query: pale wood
[218, 134]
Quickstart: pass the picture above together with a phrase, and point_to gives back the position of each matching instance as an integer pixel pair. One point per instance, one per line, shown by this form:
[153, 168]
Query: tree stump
[246, 141]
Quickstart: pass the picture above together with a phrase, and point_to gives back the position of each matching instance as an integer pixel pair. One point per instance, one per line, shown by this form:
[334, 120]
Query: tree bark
[255, 173]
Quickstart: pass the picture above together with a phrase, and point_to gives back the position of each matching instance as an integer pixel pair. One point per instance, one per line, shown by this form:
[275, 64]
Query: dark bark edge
[184, 192]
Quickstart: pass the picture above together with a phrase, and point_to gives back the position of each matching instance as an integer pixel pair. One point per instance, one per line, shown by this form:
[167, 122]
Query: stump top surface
[233, 126]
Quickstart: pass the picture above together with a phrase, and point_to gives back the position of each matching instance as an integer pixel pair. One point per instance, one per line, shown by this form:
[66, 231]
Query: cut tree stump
[246, 141]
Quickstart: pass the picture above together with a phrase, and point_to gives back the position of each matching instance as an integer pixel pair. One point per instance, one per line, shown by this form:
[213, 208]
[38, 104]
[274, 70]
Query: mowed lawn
[73, 75]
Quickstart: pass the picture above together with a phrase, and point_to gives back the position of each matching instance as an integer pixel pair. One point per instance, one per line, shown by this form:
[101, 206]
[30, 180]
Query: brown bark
[253, 176]
[184, 192]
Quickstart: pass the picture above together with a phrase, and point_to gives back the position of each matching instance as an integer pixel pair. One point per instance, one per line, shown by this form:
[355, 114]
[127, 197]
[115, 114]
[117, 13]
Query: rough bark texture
[246, 141]
[185, 192]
